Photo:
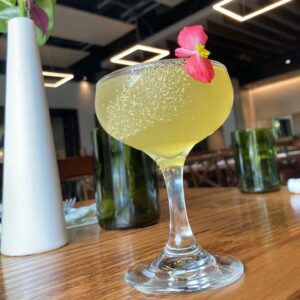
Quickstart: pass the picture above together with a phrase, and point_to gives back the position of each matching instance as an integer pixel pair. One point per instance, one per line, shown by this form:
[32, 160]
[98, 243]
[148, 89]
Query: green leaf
[3, 26]
[9, 13]
[3, 9]
[48, 7]
[8, 3]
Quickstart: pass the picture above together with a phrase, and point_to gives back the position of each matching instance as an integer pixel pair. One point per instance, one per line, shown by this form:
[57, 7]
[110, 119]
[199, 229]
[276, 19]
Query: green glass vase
[126, 188]
[255, 160]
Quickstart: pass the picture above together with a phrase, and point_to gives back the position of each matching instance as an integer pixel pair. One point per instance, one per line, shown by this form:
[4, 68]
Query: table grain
[263, 230]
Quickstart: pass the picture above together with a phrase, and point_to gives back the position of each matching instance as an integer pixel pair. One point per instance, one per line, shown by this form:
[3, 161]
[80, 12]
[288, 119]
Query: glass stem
[181, 239]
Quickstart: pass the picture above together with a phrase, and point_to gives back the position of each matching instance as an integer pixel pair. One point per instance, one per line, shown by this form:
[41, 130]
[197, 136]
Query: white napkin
[76, 216]
[81, 216]
[293, 185]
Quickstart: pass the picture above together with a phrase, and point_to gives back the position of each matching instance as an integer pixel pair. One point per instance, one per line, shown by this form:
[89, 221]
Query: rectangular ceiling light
[220, 8]
[61, 78]
[118, 59]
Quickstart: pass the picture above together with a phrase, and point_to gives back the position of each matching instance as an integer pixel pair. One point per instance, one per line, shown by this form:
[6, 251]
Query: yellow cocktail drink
[159, 109]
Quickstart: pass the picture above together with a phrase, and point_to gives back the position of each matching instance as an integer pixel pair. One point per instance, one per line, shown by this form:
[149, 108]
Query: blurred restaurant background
[262, 55]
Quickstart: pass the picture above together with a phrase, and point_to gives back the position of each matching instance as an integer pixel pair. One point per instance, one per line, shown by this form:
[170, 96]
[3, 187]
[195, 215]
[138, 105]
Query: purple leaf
[29, 3]
[39, 16]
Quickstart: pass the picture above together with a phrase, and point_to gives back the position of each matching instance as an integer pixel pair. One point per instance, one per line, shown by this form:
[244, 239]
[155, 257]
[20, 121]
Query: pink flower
[192, 41]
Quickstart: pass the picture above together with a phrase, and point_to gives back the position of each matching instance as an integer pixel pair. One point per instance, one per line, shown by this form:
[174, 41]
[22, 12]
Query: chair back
[215, 169]
[73, 167]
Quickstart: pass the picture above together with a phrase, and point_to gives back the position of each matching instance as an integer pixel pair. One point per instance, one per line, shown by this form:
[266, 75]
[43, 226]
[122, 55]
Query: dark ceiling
[149, 16]
[255, 49]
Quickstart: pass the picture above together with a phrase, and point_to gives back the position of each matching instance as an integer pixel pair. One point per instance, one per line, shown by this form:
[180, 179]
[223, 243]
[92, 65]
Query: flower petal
[181, 52]
[39, 17]
[191, 36]
[200, 68]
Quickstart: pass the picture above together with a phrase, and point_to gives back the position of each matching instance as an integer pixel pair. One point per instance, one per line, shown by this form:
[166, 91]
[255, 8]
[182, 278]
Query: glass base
[197, 271]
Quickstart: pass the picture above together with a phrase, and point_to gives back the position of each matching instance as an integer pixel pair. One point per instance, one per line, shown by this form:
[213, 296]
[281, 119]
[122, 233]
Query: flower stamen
[202, 51]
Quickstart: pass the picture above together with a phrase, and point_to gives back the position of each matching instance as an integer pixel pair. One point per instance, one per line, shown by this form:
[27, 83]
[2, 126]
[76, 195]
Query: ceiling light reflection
[62, 78]
[220, 8]
[118, 59]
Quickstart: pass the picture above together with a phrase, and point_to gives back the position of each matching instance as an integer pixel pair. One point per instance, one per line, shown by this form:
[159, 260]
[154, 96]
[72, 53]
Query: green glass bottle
[126, 188]
[255, 160]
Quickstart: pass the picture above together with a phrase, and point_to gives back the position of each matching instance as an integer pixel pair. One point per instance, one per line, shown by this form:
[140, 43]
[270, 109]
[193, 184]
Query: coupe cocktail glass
[158, 108]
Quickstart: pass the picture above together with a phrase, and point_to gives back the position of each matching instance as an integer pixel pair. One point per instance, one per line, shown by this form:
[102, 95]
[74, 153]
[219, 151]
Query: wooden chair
[79, 171]
[288, 165]
[215, 169]
[230, 177]
[202, 171]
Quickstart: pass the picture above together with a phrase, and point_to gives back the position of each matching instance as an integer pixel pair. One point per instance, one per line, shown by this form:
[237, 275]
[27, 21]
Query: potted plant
[32, 220]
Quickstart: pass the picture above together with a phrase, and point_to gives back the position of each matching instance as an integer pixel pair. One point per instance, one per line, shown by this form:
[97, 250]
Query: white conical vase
[32, 220]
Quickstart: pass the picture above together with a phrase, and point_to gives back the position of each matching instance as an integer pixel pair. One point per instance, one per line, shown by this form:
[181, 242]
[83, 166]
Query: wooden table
[262, 230]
